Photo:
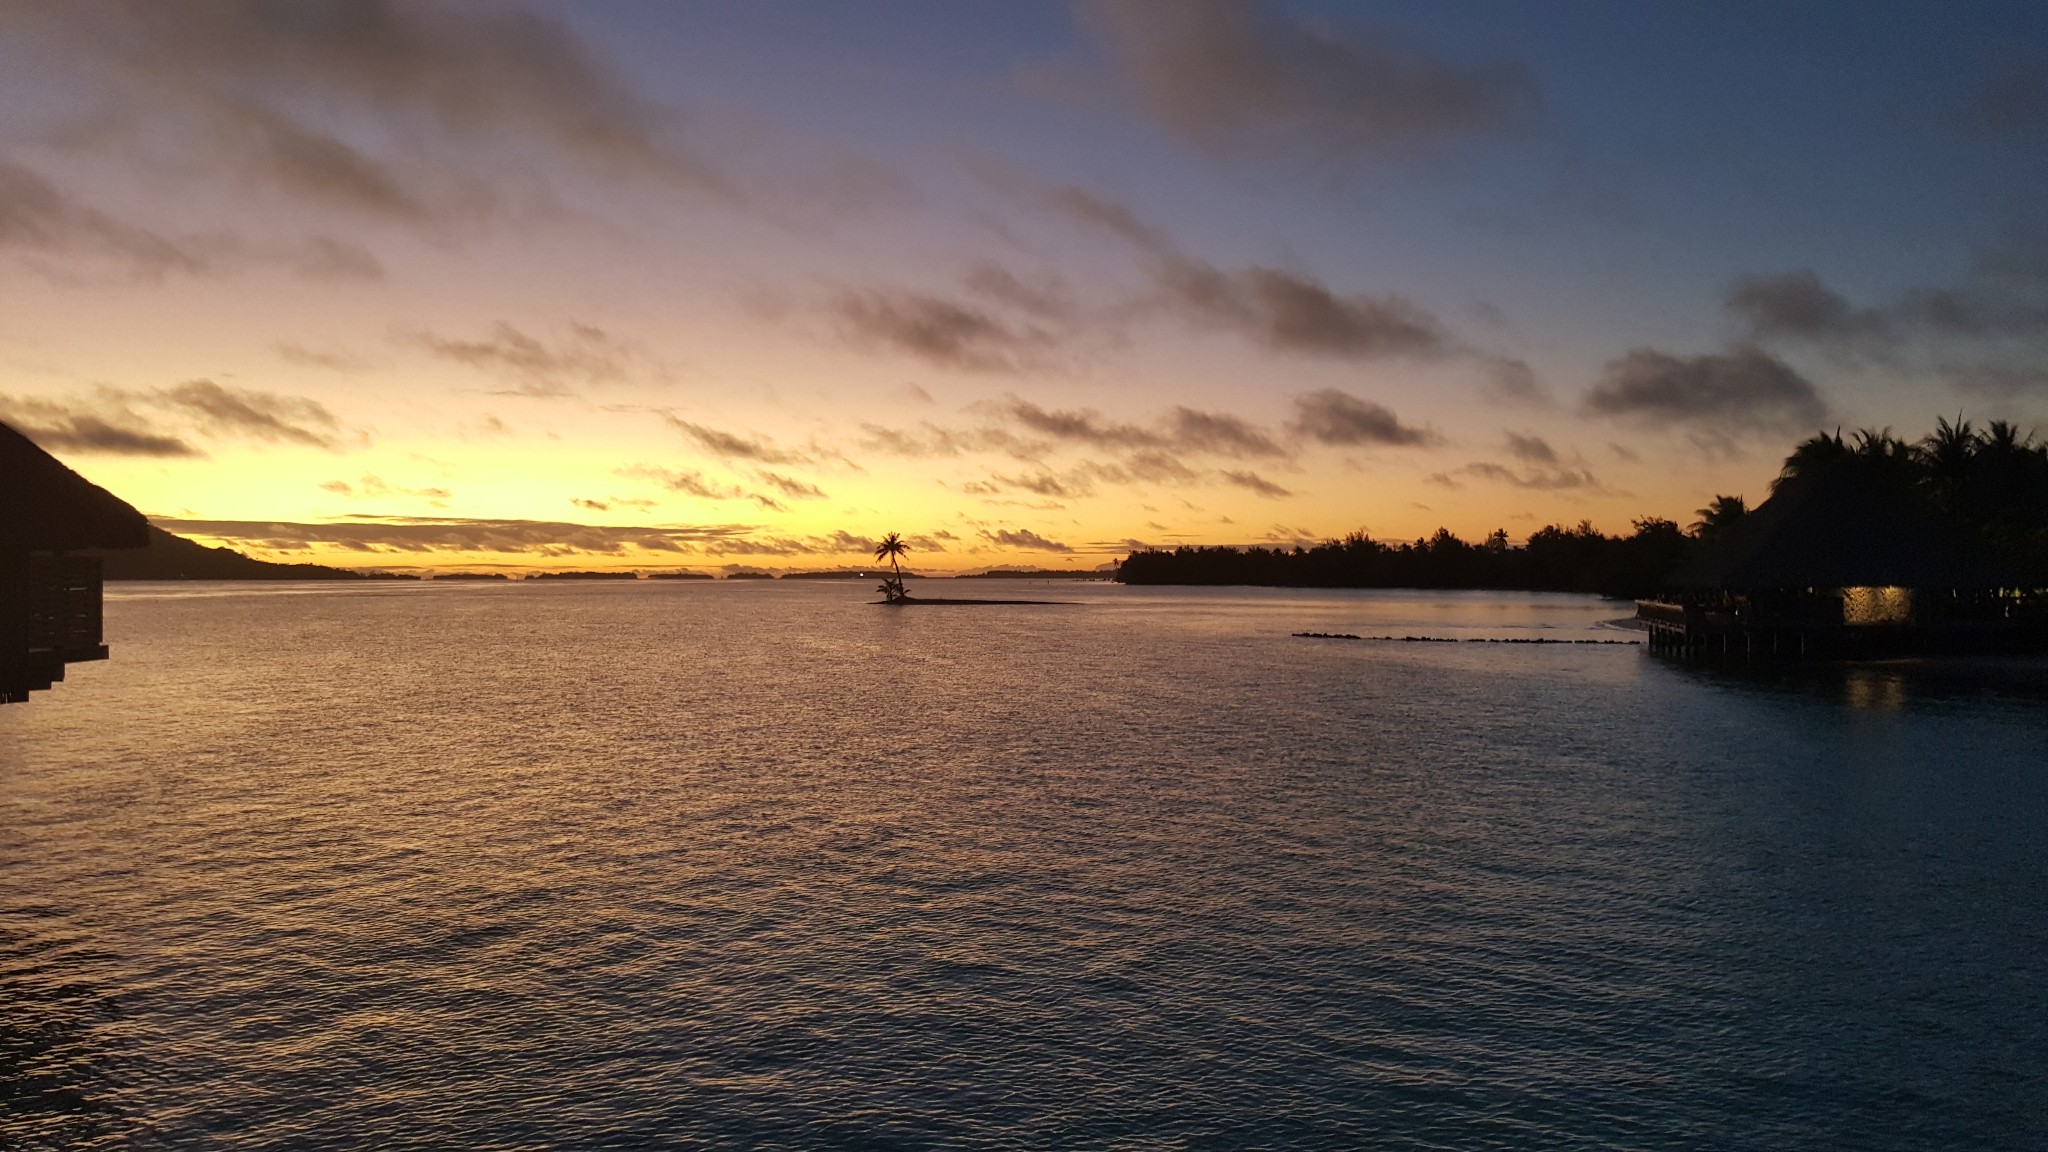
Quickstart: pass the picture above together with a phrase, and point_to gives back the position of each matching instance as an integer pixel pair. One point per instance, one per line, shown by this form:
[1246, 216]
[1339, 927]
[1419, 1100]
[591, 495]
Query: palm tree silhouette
[1717, 518]
[892, 549]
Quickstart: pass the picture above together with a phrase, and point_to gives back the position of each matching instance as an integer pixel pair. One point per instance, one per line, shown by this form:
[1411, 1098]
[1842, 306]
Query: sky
[711, 286]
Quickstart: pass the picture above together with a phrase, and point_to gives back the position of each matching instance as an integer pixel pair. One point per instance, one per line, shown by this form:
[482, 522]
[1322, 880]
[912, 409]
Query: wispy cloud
[1539, 478]
[106, 425]
[1293, 312]
[947, 333]
[790, 486]
[584, 355]
[242, 412]
[1025, 539]
[431, 535]
[729, 445]
[1253, 482]
[38, 219]
[372, 487]
[1280, 309]
[162, 421]
[691, 482]
[333, 361]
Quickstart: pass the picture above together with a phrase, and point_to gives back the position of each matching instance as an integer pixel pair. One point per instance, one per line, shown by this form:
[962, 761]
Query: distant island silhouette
[1038, 574]
[170, 557]
[1986, 491]
[846, 574]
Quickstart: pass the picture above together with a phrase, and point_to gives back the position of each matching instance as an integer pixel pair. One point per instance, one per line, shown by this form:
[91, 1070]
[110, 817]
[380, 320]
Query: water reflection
[765, 866]
[1874, 690]
[55, 1065]
[1989, 683]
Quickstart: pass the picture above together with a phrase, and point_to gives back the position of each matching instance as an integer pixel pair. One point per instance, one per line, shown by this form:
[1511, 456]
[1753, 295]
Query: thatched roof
[46, 507]
[1844, 528]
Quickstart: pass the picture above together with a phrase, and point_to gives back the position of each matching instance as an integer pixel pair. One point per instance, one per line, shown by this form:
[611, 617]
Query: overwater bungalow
[49, 598]
[1838, 565]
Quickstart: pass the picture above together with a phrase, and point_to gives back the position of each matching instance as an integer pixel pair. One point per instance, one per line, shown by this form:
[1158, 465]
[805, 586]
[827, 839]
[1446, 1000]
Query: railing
[1659, 612]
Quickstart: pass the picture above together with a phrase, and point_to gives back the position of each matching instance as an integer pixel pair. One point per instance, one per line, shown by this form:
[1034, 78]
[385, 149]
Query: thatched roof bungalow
[50, 601]
[1847, 562]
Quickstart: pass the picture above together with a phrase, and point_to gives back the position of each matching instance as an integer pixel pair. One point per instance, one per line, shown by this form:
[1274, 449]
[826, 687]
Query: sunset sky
[701, 285]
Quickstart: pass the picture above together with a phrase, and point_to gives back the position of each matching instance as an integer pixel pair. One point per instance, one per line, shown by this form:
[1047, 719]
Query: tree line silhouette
[1992, 482]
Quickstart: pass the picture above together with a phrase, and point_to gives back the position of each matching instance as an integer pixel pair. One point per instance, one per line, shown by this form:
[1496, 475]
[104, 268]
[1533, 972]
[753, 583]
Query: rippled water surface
[746, 865]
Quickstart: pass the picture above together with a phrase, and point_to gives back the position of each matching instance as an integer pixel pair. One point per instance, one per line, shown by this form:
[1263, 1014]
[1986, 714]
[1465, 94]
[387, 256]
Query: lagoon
[759, 864]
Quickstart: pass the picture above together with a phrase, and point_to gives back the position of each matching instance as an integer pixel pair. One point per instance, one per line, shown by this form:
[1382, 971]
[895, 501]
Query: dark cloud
[1975, 311]
[315, 358]
[38, 219]
[1100, 211]
[1339, 418]
[1740, 390]
[1082, 426]
[1531, 449]
[1044, 484]
[587, 355]
[1048, 299]
[324, 258]
[730, 445]
[157, 422]
[1184, 429]
[377, 488]
[1541, 479]
[429, 535]
[1157, 468]
[930, 440]
[1282, 310]
[610, 502]
[36, 216]
[1237, 78]
[942, 332]
[2002, 299]
[105, 427]
[1024, 538]
[1798, 304]
[1253, 482]
[1291, 312]
[2002, 380]
[413, 96]
[1220, 433]
[1513, 381]
[252, 415]
[791, 487]
[691, 482]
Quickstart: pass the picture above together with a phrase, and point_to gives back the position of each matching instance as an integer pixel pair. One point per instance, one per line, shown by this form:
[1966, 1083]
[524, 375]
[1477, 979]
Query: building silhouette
[50, 598]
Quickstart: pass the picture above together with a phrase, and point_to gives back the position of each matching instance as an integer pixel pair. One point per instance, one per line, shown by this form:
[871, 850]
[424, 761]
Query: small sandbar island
[895, 595]
[915, 601]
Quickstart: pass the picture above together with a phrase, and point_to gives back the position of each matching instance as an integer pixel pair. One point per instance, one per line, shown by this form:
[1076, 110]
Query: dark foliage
[1993, 483]
[1558, 559]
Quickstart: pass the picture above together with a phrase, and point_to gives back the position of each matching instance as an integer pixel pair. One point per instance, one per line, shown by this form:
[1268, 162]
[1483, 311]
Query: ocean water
[750, 865]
